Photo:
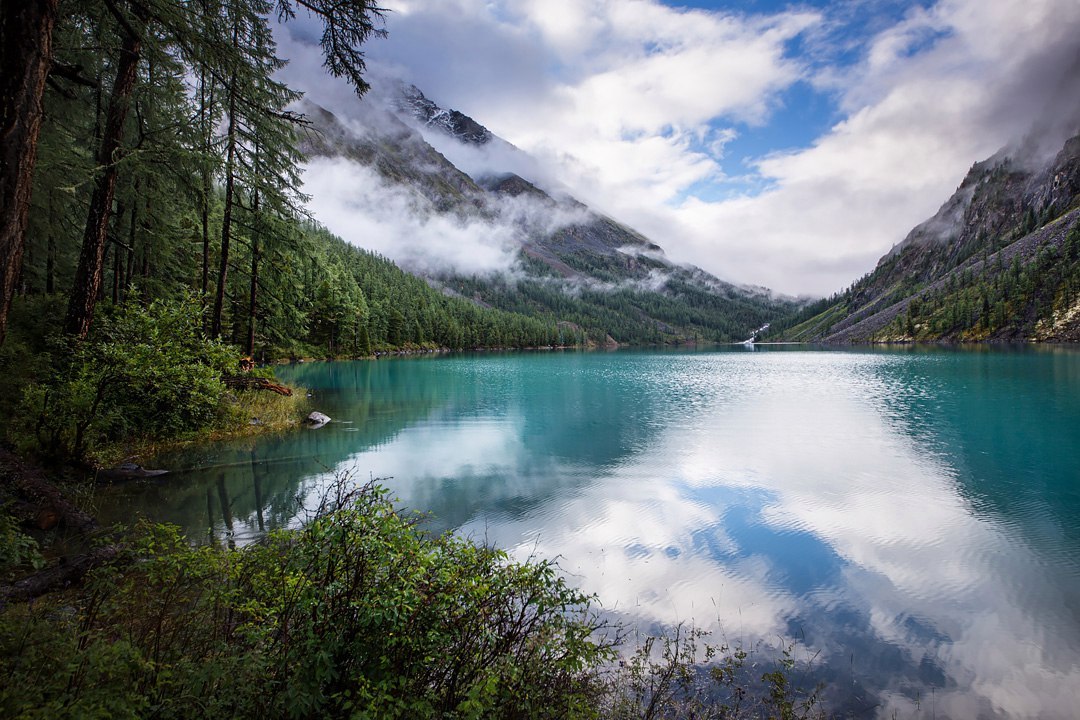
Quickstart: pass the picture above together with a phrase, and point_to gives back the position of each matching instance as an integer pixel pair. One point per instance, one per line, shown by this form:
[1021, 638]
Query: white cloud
[354, 203]
[631, 103]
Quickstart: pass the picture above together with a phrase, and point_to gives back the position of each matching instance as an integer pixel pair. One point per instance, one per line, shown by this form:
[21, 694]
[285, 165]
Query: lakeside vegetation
[153, 238]
[1017, 293]
[358, 614]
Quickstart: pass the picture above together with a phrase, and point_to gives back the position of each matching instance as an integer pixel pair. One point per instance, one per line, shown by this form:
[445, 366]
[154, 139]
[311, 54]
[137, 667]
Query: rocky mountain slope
[1000, 261]
[597, 277]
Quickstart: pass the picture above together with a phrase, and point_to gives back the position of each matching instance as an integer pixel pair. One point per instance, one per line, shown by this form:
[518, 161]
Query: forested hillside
[598, 278]
[179, 175]
[999, 261]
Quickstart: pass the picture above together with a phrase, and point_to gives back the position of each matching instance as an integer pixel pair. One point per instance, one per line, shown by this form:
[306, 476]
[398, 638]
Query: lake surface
[911, 517]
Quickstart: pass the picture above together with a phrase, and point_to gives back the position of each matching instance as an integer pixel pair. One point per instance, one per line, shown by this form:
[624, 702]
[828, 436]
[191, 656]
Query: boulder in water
[128, 471]
[316, 419]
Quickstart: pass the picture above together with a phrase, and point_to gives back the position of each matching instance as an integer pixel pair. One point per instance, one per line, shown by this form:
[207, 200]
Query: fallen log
[40, 496]
[247, 382]
[67, 572]
[48, 503]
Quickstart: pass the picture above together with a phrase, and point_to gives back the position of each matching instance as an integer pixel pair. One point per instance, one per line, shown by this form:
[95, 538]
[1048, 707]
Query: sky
[786, 145]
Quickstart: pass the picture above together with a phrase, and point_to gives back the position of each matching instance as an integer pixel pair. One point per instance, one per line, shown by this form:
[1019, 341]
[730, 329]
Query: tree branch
[72, 73]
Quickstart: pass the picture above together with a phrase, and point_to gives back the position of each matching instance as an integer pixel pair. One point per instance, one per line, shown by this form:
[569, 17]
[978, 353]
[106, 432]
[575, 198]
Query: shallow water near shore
[910, 516]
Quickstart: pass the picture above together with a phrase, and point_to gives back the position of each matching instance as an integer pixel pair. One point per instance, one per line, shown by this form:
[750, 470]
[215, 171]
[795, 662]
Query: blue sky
[801, 112]
[788, 145]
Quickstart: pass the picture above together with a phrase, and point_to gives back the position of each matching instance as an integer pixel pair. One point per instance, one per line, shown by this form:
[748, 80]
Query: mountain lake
[909, 518]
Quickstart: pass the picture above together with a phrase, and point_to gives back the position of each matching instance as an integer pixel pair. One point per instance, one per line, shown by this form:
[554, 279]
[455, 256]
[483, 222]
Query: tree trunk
[66, 574]
[206, 111]
[226, 219]
[104, 264]
[129, 271]
[26, 28]
[253, 300]
[29, 483]
[117, 271]
[50, 266]
[84, 292]
[147, 225]
[253, 305]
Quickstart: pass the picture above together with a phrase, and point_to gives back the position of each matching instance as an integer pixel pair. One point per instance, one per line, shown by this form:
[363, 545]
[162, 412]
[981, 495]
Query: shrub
[17, 549]
[144, 371]
[358, 614]
[680, 674]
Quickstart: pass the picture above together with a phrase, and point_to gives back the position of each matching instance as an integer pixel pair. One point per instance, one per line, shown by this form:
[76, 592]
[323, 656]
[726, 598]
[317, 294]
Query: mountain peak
[411, 101]
[497, 237]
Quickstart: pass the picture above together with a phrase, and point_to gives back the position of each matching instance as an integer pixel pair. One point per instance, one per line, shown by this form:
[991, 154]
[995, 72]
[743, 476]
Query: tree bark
[129, 271]
[206, 107]
[50, 266]
[88, 276]
[249, 382]
[67, 573]
[226, 219]
[26, 28]
[253, 305]
[253, 299]
[117, 269]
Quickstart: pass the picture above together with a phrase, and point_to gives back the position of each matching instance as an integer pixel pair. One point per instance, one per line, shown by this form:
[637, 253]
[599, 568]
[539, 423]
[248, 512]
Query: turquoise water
[911, 517]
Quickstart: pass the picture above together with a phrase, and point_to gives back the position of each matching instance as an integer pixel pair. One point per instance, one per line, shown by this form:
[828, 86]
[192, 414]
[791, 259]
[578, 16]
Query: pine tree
[88, 274]
[260, 142]
[26, 29]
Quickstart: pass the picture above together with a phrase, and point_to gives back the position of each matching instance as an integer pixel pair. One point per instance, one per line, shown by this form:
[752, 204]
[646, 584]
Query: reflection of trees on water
[1005, 422]
[573, 416]
[243, 487]
[1009, 423]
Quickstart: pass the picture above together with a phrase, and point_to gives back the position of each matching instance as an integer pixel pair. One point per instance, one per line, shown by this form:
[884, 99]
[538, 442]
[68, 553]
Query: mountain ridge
[573, 264]
[997, 262]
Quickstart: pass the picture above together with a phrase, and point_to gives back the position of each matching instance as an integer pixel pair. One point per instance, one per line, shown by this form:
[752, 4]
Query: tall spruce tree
[26, 30]
[27, 62]
[261, 160]
[88, 275]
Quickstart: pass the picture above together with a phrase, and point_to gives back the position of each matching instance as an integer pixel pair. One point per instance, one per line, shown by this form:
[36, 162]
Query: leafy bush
[17, 549]
[359, 614]
[144, 371]
[680, 674]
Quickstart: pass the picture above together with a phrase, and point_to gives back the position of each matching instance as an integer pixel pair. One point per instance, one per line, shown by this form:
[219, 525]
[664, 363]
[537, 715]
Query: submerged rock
[316, 419]
[128, 471]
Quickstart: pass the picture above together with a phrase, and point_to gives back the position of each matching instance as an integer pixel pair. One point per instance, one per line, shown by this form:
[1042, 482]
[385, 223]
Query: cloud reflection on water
[782, 492]
[866, 503]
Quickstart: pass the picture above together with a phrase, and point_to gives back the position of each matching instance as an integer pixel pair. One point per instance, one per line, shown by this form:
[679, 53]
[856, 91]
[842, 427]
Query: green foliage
[145, 371]
[359, 614]
[683, 311]
[361, 302]
[998, 298]
[207, 201]
[207, 194]
[17, 550]
[681, 675]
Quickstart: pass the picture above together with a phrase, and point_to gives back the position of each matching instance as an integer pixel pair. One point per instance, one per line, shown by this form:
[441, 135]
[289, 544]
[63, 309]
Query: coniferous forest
[166, 166]
[153, 234]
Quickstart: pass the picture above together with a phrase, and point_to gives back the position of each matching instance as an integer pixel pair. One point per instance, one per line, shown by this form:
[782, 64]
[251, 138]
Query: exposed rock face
[398, 153]
[575, 246]
[452, 122]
